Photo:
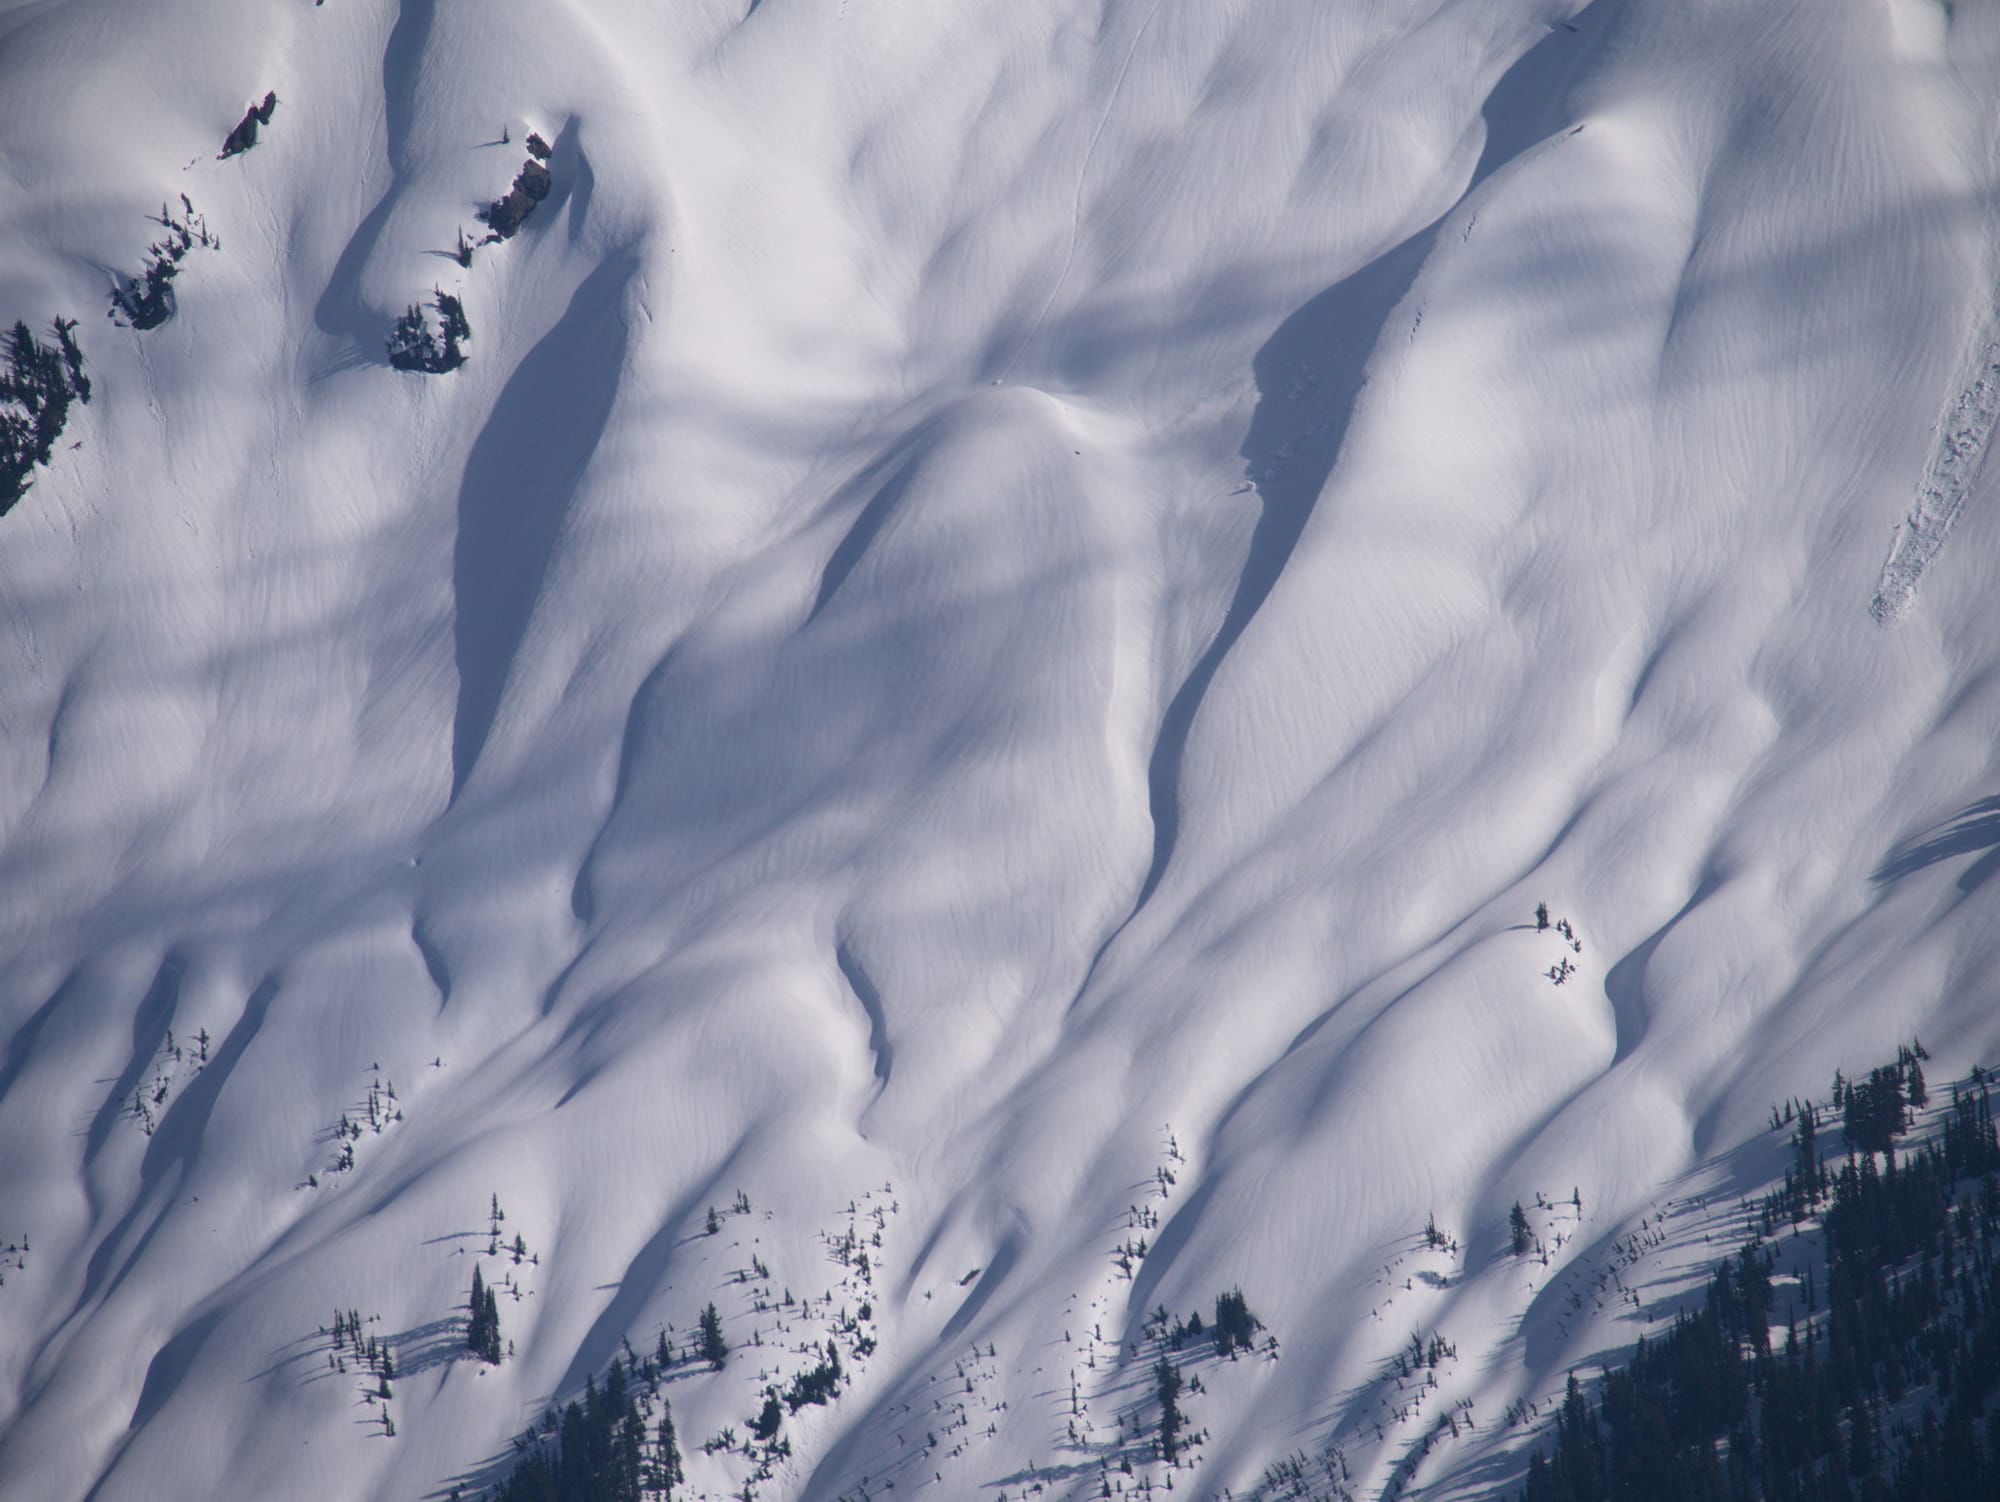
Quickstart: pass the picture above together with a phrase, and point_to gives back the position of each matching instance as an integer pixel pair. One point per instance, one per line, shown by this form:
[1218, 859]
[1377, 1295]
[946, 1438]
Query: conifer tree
[482, 1336]
[475, 1330]
[491, 1354]
[1167, 1381]
[667, 1472]
[714, 1349]
[1235, 1325]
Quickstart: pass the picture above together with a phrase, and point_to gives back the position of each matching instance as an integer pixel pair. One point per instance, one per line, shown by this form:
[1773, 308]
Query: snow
[1004, 585]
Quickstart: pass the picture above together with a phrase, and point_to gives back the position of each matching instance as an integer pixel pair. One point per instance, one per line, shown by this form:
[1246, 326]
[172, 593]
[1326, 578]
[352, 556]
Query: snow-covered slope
[1014, 608]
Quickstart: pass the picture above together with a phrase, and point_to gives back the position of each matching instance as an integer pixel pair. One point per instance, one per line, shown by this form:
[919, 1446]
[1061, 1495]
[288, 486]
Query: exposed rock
[531, 186]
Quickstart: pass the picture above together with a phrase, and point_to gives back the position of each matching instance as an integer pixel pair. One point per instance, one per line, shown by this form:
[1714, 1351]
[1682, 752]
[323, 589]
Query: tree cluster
[819, 1383]
[1873, 1110]
[482, 1332]
[1235, 1326]
[414, 345]
[602, 1447]
[1888, 1394]
[147, 300]
[370, 1353]
[1167, 1387]
[36, 387]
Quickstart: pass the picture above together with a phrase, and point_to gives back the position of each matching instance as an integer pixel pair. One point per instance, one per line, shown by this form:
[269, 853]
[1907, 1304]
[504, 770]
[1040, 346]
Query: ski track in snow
[1964, 434]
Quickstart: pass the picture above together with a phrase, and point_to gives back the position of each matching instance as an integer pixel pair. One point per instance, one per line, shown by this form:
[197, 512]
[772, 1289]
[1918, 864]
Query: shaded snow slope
[1012, 596]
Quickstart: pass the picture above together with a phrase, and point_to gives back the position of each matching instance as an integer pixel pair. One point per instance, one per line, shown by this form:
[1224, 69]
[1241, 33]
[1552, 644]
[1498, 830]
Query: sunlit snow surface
[1012, 587]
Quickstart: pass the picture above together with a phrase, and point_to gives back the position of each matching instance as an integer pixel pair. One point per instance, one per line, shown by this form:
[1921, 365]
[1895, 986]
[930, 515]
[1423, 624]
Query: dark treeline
[1882, 1388]
[604, 1446]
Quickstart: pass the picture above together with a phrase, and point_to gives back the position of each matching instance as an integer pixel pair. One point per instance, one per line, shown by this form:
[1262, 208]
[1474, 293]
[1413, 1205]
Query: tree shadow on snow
[1975, 827]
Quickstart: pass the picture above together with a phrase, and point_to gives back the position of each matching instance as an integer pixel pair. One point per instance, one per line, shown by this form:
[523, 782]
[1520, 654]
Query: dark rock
[531, 186]
[244, 136]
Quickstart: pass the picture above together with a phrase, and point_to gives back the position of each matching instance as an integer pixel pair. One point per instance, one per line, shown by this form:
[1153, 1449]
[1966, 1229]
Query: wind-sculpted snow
[981, 670]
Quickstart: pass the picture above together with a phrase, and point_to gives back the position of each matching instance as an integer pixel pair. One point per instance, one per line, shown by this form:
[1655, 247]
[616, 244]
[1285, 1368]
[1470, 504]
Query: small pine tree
[1519, 1236]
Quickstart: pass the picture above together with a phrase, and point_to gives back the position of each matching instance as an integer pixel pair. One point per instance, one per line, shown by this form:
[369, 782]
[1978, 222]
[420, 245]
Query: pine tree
[1167, 1380]
[667, 1472]
[482, 1336]
[1519, 1237]
[491, 1354]
[1235, 1326]
[475, 1333]
[714, 1349]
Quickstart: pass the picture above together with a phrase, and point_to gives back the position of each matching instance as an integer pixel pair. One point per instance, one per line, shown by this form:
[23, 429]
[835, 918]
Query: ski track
[1964, 433]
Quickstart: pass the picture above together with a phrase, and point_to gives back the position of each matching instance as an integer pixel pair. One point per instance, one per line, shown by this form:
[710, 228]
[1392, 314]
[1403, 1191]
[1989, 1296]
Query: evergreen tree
[1235, 1326]
[492, 1351]
[714, 1349]
[413, 345]
[37, 383]
[667, 1472]
[482, 1336]
[1167, 1386]
[1891, 1394]
[475, 1331]
[1519, 1236]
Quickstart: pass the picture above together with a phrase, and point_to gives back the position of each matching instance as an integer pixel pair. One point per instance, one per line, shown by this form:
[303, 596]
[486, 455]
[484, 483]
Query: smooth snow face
[1013, 596]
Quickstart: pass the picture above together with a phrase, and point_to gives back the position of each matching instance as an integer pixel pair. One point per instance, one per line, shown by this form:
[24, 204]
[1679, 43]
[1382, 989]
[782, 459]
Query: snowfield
[1011, 612]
